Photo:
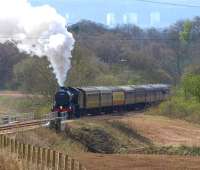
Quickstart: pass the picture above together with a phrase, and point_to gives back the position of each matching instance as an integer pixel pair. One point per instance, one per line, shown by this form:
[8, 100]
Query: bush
[191, 86]
[179, 107]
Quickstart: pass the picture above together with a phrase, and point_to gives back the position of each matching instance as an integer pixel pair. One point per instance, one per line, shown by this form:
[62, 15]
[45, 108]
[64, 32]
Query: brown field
[160, 130]
[138, 162]
[165, 131]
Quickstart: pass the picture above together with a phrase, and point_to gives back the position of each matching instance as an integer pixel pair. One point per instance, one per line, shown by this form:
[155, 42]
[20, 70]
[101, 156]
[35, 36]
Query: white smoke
[38, 31]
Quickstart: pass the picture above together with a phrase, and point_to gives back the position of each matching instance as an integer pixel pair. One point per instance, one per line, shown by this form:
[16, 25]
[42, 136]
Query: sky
[114, 12]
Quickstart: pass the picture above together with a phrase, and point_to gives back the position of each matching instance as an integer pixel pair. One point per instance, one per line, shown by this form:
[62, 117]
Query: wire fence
[38, 158]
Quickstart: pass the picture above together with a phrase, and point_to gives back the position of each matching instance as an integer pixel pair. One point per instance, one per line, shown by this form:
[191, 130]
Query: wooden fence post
[4, 141]
[43, 158]
[29, 153]
[1, 141]
[24, 151]
[60, 161]
[34, 153]
[20, 151]
[66, 165]
[12, 145]
[54, 159]
[9, 145]
[16, 147]
[43, 155]
[72, 164]
[38, 156]
[48, 158]
[80, 167]
[7, 142]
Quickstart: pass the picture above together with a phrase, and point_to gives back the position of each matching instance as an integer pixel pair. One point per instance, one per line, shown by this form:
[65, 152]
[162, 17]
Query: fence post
[15, 150]
[38, 156]
[72, 164]
[17, 147]
[44, 155]
[43, 162]
[54, 159]
[80, 166]
[60, 161]
[29, 153]
[66, 162]
[7, 142]
[48, 158]
[12, 145]
[41, 157]
[34, 160]
[4, 141]
[20, 150]
[1, 141]
[24, 151]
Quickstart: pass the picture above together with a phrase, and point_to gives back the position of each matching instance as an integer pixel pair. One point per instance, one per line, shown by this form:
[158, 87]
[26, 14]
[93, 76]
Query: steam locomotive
[73, 102]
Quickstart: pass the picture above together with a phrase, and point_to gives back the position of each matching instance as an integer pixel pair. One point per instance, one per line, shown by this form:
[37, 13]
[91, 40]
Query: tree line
[126, 54]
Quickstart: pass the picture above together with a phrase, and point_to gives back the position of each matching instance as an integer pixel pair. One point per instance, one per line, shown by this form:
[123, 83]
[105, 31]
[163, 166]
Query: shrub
[179, 107]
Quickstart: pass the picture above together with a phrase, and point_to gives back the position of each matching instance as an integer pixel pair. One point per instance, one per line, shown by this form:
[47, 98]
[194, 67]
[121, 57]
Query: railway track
[14, 127]
[11, 128]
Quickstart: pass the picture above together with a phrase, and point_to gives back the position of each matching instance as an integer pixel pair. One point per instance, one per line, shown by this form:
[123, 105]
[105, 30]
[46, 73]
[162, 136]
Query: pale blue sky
[124, 11]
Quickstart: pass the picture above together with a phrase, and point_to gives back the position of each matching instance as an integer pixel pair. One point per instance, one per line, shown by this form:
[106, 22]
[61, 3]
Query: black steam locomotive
[75, 102]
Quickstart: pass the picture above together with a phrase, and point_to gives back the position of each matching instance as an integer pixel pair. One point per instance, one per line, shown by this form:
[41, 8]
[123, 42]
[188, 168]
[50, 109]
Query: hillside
[124, 55]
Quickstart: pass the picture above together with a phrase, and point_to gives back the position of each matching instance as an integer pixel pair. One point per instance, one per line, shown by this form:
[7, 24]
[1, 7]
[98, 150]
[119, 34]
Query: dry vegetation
[127, 135]
[15, 102]
[9, 162]
[49, 139]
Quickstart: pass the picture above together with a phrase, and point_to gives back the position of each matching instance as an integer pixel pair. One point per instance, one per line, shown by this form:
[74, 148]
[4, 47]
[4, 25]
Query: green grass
[13, 105]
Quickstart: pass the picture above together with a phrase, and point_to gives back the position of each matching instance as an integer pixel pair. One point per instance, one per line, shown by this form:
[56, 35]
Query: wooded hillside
[102, 56]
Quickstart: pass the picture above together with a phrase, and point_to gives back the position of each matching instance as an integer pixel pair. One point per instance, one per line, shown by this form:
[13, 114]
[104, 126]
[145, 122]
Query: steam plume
[38, 31]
